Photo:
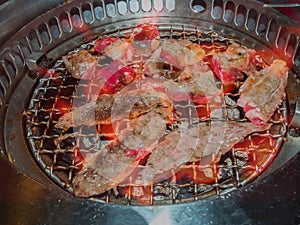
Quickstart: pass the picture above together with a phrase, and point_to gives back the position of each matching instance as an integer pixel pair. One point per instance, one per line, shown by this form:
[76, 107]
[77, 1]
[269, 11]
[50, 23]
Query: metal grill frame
[29, 47]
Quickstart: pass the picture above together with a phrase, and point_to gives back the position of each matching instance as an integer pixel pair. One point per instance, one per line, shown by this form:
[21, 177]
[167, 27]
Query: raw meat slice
[78, 63]
[193, 144]
[111, 165]
[129, 104]
[263, 92]
[228, 66]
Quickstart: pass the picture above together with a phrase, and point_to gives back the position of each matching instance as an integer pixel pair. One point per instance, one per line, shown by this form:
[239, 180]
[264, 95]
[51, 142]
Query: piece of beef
[144, 32]
[196, 82]
[181, 53]
[199, 82]
[145, 131]
[263, 92]
[176, 53]
[111, 165]
[78, 63]
[127, 104]
[105, 170]
[121, 50]
[191, 145]
[228, 66]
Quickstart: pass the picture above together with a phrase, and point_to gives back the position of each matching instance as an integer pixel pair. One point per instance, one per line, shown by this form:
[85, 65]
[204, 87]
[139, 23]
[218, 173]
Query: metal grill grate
[57, 153]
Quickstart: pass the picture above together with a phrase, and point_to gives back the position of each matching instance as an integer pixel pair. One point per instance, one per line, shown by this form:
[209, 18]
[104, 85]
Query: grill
[57, 153]
[73, 26]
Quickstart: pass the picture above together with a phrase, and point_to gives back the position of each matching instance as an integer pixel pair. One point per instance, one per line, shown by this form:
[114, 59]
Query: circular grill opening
[58, 154]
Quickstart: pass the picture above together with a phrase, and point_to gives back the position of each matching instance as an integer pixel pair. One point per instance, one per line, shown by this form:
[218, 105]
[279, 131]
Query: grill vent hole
[87, 14]
[98, 10]
[76, 18]
[217, 9]
[4, 79]
[146, 5]
[251, 20]
[273, 31]
[44, 34]
[2, 92]
[262, 25]
[54, 28]
[158, 5]
[10, 69]
[170, 5]
[65, 22]
[19, 61]
[110, 9]
[198, 5]
[291, 46]
[134, 6]
[122, 7]
[229, 12]
[297, 56]
[2, 88]
[282, 38]
[34, 40]
[25, 47]
[240, 16]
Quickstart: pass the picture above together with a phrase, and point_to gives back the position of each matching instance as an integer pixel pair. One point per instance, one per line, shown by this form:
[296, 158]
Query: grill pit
[58, 155]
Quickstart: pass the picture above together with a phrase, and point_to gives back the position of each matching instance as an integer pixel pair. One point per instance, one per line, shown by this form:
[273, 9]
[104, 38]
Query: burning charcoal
[50, 93]
[67, 143]
[232, 111]
[184, 180]
[185, 192]
[64, 159]
[49, 144]
[204, 188]
[47, 103]
[162, 193]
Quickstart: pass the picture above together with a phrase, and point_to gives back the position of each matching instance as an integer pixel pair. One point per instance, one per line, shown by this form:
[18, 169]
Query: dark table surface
[275, 199]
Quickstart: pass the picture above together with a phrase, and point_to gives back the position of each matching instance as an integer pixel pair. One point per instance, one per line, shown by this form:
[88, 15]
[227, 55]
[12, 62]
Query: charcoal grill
[29, 103]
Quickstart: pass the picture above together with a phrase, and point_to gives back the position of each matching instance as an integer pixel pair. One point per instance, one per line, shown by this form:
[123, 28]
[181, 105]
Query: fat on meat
[178, 148]
[263, 92]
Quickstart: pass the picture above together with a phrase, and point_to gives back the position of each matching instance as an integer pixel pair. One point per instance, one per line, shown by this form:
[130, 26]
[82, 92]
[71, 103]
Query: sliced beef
[228, 66]
[263, 92]
[192, 144]
[181, 53]
[78, 63]
[105, 170]
[199, 82]
[176, 53]
[111, 165]
[126, 105]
